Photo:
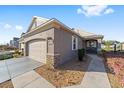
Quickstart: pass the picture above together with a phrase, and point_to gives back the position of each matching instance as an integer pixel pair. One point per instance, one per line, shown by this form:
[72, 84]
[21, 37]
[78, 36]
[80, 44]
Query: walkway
[96, 76]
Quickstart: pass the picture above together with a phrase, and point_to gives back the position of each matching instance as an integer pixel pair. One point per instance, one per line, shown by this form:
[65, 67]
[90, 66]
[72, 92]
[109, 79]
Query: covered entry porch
[93, 44]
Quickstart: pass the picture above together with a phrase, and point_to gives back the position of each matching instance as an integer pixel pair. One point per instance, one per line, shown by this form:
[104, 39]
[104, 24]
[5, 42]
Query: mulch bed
[6, 84]
[114, 63]
[70, 73]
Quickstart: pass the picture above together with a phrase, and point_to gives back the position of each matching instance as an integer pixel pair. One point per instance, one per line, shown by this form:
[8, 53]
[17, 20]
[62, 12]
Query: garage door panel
[37, 51]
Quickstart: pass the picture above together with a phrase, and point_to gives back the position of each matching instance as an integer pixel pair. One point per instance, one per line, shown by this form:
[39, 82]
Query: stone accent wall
[53, 59]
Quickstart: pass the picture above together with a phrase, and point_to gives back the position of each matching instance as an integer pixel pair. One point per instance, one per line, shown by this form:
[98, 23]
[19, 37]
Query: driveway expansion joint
[31, 82]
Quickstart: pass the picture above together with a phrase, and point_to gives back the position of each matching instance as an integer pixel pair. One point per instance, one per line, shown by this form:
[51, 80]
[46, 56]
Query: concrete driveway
[13, 67]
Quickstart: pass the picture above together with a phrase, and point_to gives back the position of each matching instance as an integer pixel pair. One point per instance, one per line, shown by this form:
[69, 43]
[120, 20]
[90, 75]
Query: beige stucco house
[51, 41]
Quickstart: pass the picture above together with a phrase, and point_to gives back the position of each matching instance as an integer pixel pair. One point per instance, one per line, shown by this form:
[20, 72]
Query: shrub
[5, 56]
[10, 56]
[17, 54]
[81, 54]
[1, 57]
[103, 51]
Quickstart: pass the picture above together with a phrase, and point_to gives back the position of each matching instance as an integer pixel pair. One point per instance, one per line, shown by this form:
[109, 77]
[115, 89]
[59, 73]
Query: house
[111, 45]
[14, 42]
[51, 41]
[122, 46]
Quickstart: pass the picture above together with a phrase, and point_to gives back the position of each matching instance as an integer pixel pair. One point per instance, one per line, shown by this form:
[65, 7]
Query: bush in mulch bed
[81, 54]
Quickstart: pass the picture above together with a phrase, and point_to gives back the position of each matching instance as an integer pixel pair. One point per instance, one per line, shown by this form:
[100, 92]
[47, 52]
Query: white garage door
[37, 51]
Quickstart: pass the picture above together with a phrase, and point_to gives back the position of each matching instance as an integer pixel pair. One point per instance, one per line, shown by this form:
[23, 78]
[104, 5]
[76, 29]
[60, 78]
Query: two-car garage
[37, 50]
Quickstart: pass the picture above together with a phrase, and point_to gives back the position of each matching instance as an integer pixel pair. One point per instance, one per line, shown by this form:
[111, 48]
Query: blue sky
[106, 20]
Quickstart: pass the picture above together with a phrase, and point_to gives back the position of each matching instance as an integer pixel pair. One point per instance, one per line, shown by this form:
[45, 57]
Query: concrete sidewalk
[96, 76]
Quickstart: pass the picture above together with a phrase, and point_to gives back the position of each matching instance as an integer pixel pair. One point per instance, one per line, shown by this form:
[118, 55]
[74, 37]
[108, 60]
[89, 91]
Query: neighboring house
[122, 46]
[51, 41]
[110, 45]
[14, 42]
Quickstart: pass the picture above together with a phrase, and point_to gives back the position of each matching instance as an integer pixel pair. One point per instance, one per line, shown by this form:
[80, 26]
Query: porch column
[24, 49]
[99, 45]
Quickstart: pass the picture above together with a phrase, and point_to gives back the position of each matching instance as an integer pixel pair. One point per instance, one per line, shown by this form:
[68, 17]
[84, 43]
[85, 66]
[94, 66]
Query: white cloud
[79, 11]
[94, 10]
[109, 11]
[19, 27]
[7, 26]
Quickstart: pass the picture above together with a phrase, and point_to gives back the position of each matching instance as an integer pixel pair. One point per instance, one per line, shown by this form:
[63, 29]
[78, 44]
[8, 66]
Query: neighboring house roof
[39, 22]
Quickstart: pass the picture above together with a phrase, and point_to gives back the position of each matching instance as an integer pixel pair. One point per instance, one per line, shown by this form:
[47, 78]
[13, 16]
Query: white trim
[72, 42]
[76, 42]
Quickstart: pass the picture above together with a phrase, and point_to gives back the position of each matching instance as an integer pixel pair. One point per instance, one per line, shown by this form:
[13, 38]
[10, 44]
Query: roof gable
[36, 21]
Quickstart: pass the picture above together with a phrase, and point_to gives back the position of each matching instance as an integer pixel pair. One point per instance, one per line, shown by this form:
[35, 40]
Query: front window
[74, 43]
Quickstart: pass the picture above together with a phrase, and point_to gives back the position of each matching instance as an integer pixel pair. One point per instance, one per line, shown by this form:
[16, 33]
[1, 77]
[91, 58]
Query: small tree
[107, 44]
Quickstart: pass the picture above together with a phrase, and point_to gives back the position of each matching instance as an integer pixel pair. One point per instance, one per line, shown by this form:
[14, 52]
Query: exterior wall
[63, 46]
[83, 44]
[22, 46]
[59, 45]
[53, 59]
[42, 35]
